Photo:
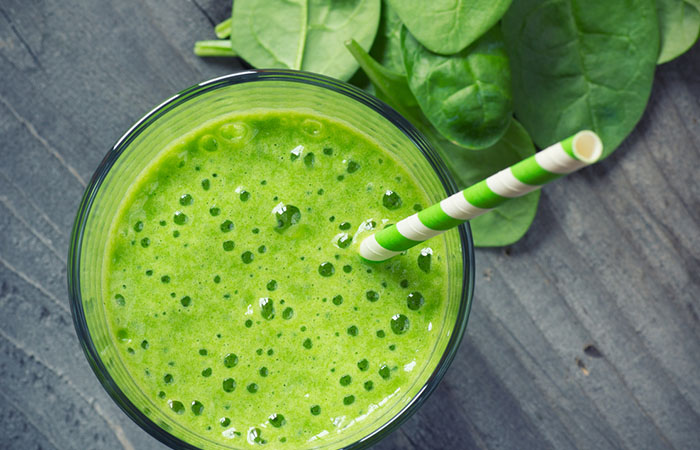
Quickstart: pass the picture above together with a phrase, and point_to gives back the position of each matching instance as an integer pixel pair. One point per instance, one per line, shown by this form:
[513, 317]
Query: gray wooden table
[586, 334]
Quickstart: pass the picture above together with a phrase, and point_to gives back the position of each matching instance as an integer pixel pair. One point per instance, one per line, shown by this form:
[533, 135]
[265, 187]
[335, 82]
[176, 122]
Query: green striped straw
[580, 150]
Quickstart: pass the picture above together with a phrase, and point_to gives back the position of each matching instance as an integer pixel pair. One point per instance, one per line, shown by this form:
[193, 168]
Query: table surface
[585, 334]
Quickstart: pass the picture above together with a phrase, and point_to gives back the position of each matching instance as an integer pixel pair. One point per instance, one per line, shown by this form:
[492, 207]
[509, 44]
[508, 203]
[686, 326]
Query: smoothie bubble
[179, 218]
[296, 152]
[186, 200]
[236, 132]
[214, 211]
[328, 151]
[248, 323]
[217, 279]
[145, 242]
[353, 166]
[424, 259]
[344, 240]
[263, 371]
[288, 313]
[255, 436]
[177, 407]
[277, 420]
[326, 269]
[228, 246]
[165, 279]
[312, 127]
[372, 296]
[252, 388]
[309, 159]
[138, 226]
[229, 385]
[119, 298]
[315, 410]
[404, 284]
[345, 380]
[384, 371]
[338, 300]
[203, 352]
[208, 143]
[262, 249]
[399, 324]
[144, 345]
[381, 333]
[197, 408]
[353, 330]
[369, 385]
[267, 309]
[230, 360]
[247, 257]
[286, 216]
[244, 195]
[347, 268]
[345, 226]
[206, 184]
[206, 373]
[391, 200]
[225, 421]
[307, 343]
[168, 378]
[186, 301]
[363, 365]
[415, 300]
[226, 226]
[349, 400]
[271, 285]
[123, 335]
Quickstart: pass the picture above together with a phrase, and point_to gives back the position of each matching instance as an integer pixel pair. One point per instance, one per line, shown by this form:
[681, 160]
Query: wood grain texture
[585, 334]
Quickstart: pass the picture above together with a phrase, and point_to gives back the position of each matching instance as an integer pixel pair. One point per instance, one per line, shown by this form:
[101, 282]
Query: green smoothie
[235, 294]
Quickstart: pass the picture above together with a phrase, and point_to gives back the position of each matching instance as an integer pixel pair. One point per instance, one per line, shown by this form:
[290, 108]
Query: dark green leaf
[303, 34]
[387, 45]
[581, 64]
[679, 26]
[448, 26]
[466, 96]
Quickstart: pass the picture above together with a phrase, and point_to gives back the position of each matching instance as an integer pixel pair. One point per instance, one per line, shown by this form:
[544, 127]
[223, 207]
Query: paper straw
[580, 150]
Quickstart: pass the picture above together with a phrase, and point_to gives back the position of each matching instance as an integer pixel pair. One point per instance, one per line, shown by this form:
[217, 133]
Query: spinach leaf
[303, 34]
[390, 87]
[581, 64]
[679, 26]
[387, 45]
[466, 96]
[448, 26]
[505, 224]
[510, 221]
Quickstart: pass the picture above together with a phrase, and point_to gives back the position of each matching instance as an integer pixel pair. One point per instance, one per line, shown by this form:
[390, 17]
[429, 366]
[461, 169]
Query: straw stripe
[437, 219]
[457, 206]
[557, 160]
[372, 251]
[391, 239]
[505, 184]
[571, 154]
[481, 196]
[413, 229]
[529, 172]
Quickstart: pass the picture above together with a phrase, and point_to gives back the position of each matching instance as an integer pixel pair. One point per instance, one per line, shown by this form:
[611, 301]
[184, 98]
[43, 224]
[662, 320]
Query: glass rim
[249, 76]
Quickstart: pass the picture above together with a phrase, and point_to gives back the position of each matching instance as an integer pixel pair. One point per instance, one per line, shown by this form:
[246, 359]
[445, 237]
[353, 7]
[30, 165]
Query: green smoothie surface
[236, 297]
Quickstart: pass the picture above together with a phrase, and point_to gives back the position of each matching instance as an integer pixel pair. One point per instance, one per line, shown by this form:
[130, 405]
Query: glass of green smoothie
[214, 277]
